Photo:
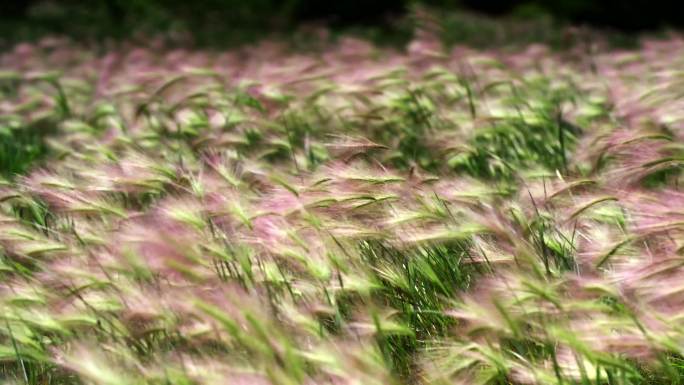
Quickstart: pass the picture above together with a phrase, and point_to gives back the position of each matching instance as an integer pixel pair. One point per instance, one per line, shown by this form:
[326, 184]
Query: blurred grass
[230, 23]
[209, 190]
[21, 147]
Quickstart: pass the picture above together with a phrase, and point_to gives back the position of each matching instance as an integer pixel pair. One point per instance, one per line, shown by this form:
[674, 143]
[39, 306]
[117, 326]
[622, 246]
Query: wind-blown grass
[351, 215]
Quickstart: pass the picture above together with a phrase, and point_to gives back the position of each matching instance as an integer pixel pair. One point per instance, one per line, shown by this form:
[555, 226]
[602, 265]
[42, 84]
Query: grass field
[344, 214]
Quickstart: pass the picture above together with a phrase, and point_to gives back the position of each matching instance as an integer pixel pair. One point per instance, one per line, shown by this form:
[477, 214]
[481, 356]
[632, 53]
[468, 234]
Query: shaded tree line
[209, 18]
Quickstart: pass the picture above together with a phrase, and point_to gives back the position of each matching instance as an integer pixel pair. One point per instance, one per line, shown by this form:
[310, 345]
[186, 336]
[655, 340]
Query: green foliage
[21, 146]
[355, 215]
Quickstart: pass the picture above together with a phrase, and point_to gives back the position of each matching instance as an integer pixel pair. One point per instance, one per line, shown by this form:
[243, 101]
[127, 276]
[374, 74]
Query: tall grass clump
[349, 215]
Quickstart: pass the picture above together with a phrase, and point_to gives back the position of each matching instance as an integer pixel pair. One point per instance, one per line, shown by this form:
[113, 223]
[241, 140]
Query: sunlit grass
[354, 215]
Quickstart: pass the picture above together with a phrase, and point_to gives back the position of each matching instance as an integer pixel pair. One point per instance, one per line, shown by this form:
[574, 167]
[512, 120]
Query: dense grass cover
[346, 215]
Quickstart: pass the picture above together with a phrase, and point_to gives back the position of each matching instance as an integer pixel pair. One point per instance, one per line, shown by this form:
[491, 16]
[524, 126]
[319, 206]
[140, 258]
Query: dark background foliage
[211, 21]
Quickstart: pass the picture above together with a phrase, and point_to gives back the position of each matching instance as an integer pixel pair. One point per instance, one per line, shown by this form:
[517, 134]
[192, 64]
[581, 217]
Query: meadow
[348, 213]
